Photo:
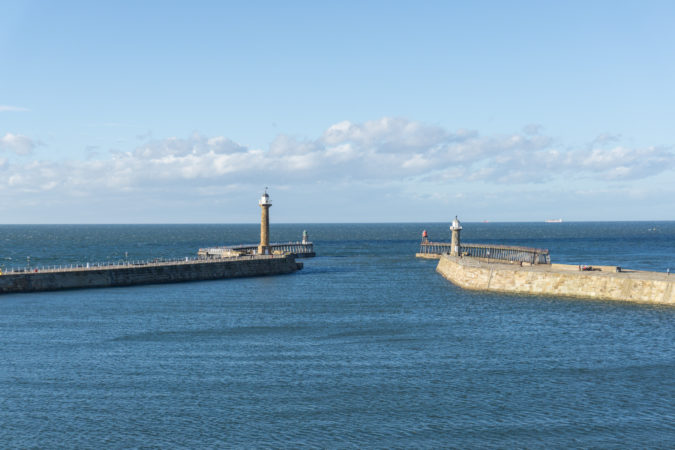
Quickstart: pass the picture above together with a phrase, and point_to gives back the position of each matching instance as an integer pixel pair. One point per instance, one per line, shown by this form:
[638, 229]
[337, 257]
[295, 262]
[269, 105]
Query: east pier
[525, 270]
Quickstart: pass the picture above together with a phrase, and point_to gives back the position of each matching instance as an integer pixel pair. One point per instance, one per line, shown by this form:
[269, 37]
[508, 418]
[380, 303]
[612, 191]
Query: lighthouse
[454, 242]
[263, 248]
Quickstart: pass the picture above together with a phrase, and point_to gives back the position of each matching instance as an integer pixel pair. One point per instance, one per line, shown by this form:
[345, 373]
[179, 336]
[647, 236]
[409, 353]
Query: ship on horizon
[553, 220]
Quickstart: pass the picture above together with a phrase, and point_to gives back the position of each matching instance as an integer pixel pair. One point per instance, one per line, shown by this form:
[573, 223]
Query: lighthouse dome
[265, 199]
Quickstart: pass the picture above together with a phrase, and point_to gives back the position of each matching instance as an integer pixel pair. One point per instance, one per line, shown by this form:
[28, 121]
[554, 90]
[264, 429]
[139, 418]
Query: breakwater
[147, 273]
[559, 279]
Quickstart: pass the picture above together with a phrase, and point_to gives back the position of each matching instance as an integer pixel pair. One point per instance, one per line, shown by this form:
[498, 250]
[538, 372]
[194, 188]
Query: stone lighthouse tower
[454, 242]
[264, 247]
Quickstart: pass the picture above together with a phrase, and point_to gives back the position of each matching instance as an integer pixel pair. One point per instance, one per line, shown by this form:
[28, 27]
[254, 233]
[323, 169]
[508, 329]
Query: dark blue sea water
[365, 347]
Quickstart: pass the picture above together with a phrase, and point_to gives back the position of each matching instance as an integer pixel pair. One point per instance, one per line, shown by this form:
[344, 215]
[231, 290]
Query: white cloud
[19, 144]
[386, 135]
[8, 108]
[623, 163]
[604, 139]
[374, 152]
[194, 145]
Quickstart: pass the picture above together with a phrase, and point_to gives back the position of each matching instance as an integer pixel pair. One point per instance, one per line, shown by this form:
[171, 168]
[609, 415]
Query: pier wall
[646, 287]
[148, 274]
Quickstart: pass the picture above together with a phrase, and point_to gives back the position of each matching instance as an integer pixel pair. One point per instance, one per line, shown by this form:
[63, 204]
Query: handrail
[491, 252]
[298, 248]
[124, 264]
[254, 246]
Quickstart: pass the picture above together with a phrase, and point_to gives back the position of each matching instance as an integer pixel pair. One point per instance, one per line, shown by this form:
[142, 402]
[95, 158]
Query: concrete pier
[150, 273]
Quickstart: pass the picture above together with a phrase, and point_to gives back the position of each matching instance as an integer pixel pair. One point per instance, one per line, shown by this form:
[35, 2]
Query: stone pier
[603, 282]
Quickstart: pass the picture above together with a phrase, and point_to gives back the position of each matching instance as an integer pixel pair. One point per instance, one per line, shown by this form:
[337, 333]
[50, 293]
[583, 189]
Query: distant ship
[553, 220]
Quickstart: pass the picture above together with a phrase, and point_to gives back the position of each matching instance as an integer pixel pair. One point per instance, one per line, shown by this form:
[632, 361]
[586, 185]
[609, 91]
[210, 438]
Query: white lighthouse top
[265, 199]
[456, 225]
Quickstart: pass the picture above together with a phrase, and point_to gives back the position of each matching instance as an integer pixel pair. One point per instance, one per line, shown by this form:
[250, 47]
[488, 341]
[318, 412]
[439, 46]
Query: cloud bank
[390, 150]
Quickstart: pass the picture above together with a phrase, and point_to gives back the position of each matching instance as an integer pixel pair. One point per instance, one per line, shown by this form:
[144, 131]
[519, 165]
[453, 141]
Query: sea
[366, 346]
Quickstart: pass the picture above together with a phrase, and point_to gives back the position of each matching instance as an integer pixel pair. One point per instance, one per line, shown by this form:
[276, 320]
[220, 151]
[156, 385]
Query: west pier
[97, 276]
[525, 270]
[210, 264]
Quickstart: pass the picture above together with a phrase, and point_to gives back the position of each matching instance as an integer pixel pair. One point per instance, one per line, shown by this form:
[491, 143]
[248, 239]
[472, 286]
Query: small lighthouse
[454, 242]
[265, 204]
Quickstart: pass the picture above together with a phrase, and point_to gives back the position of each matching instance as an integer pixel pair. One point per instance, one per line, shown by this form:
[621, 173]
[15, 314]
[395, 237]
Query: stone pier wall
[148, 274]
[637, 286]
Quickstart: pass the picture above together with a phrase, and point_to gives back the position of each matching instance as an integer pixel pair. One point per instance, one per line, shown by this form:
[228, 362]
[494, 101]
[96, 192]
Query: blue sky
[135, 112]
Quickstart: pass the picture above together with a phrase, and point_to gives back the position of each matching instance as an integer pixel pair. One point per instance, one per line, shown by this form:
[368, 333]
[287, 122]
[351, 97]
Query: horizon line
[341, 223]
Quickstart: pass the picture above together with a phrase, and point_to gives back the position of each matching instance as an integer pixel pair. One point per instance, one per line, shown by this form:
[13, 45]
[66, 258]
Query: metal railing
[490, 252]
[297, 248]
[123, 264]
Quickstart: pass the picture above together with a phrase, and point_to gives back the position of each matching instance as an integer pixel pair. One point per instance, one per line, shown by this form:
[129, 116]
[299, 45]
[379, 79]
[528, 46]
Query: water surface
[366, 346]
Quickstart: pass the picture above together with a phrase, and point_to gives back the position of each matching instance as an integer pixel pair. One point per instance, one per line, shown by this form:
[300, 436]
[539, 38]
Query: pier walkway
[110, 265]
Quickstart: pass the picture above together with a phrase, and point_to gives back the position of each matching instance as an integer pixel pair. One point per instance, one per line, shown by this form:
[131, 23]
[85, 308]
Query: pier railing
[297, 248]
[490, 252]
[120, 264]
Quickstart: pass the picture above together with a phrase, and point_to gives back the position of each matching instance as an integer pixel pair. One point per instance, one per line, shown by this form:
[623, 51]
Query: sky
[350, 111]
